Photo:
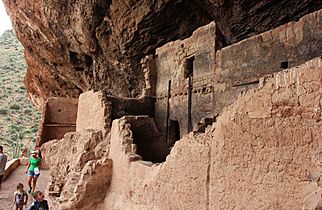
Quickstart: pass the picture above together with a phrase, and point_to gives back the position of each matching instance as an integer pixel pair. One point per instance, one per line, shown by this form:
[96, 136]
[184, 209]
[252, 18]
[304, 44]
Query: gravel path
[9, 186]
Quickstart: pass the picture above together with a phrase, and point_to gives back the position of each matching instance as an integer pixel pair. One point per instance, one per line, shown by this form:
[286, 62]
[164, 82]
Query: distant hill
[18, 117]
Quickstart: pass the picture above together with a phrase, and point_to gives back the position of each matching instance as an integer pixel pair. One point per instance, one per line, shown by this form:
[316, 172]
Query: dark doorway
[147, 139]
[174, 132]
[284, 65]
[188, 70]
[189, 74]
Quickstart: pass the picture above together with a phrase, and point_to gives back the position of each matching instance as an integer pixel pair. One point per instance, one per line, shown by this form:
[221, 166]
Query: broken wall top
[171, 58]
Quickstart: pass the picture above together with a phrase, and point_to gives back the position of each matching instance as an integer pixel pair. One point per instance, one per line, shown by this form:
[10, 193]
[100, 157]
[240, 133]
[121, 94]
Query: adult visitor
[3, 162]
[33, 170]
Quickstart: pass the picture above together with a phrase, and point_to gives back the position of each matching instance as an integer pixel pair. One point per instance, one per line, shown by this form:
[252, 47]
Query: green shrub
[27, 111]
[34, 129]
[15, 106]
[3, 111]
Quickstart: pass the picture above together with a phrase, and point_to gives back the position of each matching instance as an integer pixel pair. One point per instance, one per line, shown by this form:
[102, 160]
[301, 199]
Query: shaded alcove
[174, 132]
[147, 138]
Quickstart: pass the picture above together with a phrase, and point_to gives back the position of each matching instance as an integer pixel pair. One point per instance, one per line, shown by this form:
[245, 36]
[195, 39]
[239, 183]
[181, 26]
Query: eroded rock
[72, 47]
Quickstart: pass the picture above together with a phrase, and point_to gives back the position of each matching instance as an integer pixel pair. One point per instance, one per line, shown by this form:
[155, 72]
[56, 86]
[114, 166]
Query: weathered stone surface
[261, 159]
[72, 47]
[265, 159]
[178, 183]
[58, 118]
[249, 159]
[219, 75]
[79, 168]
[103, 108]
[94, 112]
[284, 47]
[10, 167]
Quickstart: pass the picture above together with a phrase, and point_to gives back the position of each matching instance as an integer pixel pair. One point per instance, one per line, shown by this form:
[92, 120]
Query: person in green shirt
[33, 170]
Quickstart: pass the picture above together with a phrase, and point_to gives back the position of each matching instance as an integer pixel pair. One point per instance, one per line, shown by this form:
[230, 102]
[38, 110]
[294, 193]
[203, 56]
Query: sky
[5, 22]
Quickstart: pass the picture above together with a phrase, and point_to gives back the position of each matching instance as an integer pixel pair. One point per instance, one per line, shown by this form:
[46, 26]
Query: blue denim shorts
[32, 173]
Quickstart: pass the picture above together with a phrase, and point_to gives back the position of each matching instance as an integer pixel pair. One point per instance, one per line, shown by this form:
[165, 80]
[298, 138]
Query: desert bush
[3, 111]
[15, 106]
[27, 111]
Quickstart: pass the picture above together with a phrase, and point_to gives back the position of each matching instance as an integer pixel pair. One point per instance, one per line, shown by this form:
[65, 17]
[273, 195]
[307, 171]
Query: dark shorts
[1, 176]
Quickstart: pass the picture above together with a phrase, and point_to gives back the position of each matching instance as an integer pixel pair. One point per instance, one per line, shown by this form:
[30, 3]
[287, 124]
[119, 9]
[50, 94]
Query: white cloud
[5, 22]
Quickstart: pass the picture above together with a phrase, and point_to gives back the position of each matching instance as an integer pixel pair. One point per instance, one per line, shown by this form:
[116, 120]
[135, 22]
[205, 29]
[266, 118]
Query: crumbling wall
[80, 171]
[131, 106]
[94, 111]
[97, 109]
[284, 47]
[220, 75]
[264, 152]
[172, 63]
[267, 147]
[147, 138]
[178, 183]
[58, 118]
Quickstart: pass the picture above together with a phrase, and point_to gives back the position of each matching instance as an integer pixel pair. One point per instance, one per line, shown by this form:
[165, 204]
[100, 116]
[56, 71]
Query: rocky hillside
[18, 117]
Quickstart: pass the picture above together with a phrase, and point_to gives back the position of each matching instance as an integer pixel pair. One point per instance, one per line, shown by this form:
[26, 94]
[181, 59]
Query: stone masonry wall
[58, 117]
[264, 152]
[171, 64]
[293, 43]
[80, 171]
[94, 111]
[220, 75]
[266, 149]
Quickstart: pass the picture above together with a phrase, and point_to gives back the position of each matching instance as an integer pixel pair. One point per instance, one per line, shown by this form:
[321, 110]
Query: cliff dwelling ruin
[177, 104]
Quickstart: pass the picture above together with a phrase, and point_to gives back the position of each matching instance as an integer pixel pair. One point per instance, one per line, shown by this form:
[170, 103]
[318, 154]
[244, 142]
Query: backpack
[19, 197]
[39, 205]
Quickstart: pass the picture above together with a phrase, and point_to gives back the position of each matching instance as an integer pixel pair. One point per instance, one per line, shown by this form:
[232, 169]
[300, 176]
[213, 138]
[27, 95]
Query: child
[40, 203]
[21, 197]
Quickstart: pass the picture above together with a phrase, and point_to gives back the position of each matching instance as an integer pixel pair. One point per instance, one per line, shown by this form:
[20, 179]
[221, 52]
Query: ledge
[10, 167]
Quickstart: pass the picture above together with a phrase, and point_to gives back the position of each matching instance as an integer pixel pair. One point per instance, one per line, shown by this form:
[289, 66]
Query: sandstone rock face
[71, 47]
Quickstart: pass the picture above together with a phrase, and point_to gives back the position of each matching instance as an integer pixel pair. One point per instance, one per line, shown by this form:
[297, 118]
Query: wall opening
[148, 140]
[188, 68]
[284, 65]
[174, 132]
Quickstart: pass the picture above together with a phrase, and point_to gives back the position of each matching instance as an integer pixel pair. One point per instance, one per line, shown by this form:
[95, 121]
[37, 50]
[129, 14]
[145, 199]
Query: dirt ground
[9, 186]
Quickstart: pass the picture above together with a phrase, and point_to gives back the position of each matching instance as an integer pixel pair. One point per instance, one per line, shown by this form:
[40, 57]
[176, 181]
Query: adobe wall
[178, 183]
[94, 111]
[147, 138]
[61, 111]
[220, 75]
[252, 58]
[58, 118]
[264, 152]
[131, 106]
[171, 64]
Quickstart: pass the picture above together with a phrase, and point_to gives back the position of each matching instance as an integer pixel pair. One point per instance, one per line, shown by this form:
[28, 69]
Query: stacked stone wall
[58, 118]
[264, 152]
